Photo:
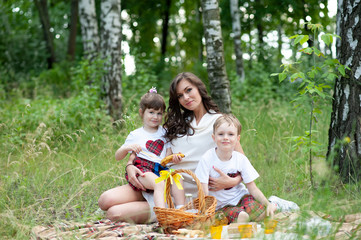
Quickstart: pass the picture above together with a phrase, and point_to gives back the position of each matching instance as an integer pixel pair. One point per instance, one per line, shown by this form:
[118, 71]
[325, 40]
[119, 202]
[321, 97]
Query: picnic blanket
[291, 225]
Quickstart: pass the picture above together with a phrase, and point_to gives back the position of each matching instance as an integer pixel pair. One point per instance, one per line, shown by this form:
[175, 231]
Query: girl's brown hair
[152, 100]
[178, 118]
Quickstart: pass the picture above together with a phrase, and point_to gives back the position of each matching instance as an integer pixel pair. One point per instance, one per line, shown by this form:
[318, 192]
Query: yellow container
[245, 230]
[216, 232]
[270, 226]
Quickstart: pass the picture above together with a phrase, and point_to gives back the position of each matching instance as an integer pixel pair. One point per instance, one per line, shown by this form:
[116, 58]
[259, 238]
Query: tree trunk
[89, 28]
[42, 7]
[344, 150]
[111, 51]
[73, 29]
[279, 41]
[199, 34]
[236, 28]
[216, 67]
[259, 25]
[165, 28]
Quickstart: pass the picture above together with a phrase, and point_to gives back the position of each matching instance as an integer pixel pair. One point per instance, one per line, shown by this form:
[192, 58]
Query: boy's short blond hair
[230, 119]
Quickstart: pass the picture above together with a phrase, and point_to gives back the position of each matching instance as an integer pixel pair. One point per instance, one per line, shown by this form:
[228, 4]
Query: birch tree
[217, 75]
[111, 51]
[236, 28]
[89, 28]
[344, 148]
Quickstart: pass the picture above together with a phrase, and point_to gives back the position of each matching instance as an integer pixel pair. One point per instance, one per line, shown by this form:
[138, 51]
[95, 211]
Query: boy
[240, 203]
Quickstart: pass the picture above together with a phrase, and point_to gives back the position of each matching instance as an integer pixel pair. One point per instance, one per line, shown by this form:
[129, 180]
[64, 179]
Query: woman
[189, 123]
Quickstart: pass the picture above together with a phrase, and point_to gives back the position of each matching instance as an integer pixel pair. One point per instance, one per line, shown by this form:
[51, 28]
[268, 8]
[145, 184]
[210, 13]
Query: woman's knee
[136, 212]
[103, 201]
[114, 215]
[118, 195]
[107, 200]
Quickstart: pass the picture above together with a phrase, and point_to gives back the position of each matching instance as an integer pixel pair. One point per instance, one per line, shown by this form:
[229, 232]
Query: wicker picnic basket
[173, 219]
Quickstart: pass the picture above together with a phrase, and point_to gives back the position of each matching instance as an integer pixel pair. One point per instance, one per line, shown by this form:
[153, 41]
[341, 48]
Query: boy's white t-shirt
[153, 145]
[237, 163]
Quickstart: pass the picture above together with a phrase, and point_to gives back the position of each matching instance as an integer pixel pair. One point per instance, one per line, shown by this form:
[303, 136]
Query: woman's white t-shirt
[193, 147]
[237, 163]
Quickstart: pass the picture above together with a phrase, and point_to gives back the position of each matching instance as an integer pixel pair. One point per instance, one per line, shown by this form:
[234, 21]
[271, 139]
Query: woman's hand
[223, 181]
[176, 158]
[132, 172]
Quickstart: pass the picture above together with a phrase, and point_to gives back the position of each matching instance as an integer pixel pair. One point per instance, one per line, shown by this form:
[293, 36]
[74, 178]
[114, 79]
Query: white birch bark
[89, 28]
[111, 52]
[344, 148]
[236, 28]
[217, 75]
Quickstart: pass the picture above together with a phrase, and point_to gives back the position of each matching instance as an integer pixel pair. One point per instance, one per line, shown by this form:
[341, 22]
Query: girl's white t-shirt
[237, 163]
[153, 145]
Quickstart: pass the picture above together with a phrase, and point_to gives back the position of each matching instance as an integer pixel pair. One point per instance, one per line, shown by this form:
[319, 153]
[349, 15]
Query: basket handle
[201, 205]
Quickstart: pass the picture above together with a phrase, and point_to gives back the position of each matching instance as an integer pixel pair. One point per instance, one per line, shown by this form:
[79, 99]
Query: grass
[51, 174]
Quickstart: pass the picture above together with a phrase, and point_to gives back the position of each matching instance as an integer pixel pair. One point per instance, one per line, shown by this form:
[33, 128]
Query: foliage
[258, 85]
[22, 48]
[314, 82]
[47, 123]
[21, 53]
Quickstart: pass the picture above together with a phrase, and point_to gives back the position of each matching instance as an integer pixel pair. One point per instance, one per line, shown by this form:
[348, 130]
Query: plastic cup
[216, 232]
[245, 230]
[270, 226]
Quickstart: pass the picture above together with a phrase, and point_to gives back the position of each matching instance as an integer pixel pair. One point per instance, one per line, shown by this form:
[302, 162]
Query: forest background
[58, 136]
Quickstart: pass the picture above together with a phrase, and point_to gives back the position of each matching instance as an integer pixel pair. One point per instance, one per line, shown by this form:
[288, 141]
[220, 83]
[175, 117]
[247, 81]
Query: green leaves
[314, 50]
[314, 27]
[314, 82]
[327, 38]
[341, 70]
[301, 39]
[307, 50]
[282, 76]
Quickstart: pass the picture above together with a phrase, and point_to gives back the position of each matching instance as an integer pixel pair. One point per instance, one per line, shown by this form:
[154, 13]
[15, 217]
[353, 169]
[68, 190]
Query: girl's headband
[152, 90]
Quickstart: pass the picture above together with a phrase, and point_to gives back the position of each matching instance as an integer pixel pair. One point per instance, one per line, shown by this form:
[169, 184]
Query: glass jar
[190, 204]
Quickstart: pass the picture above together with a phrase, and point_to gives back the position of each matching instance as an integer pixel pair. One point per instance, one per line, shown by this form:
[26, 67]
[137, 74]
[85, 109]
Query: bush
[47, 121]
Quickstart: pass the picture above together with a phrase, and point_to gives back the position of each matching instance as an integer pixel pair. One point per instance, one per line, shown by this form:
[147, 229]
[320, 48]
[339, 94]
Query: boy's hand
[271, 208]
[223, 181]
[134, 148]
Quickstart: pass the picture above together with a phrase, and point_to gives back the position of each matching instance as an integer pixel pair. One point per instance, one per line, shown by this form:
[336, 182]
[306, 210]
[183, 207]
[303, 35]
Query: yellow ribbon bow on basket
[165, 176]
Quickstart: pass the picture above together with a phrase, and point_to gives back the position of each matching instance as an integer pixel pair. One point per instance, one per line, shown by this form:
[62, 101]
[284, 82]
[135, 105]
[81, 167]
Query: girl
[147, 147]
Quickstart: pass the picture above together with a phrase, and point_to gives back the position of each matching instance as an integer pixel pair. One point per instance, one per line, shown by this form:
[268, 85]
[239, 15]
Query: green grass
[56, 172]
